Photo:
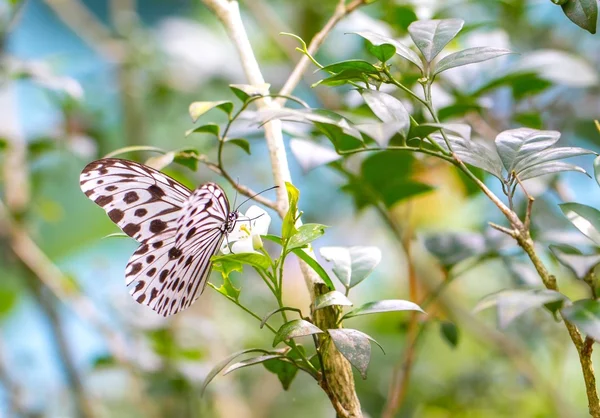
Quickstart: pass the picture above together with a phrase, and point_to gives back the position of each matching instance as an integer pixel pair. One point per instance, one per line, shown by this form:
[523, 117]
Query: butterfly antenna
[237, 183]
[253, 196]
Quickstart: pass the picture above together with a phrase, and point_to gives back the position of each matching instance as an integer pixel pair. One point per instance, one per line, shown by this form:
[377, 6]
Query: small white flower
[245, 237]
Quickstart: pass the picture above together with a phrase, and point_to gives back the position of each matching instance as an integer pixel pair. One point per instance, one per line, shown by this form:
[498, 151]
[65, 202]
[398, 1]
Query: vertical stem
[339, 380]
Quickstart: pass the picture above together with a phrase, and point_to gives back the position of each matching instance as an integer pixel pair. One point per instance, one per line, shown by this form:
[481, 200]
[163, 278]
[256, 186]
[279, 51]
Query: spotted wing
[142, 201]
[171, 273]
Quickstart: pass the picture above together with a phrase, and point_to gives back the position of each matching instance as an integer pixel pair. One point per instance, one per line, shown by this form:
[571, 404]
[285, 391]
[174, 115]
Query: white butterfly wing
[168, 274]
[142, 201]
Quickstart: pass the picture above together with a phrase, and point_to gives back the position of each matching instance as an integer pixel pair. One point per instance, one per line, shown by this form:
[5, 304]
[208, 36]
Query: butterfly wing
[170, 273]
[142, 201]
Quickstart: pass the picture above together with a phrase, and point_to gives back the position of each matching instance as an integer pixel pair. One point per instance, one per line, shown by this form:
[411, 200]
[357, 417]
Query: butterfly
[179, 230]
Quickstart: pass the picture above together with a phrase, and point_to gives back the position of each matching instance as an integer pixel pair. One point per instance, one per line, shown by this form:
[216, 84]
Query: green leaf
[242, 143]
[333, 298]
[431, 36]
[226, 266]
[294, 329]
[342, 77]
[288, 227]
[358, 65]
[228, 289]
[529, 119]
[252, 259]
[306, 234]
[449, 332]
[247, 91]
[8, 300]
[40, 146]
[586, 315]
[584, 13]
[304, 256]
[401, 49]
[597, 170]
[581, 265]
[285, 371]
[380, 306]
[273, 238]
[468, 56]
[352, 265]
[514, 302]
[585, 218]
[197, 109]
[387, 108]
[382, 52]
[187, 157]
[251, 362]
[354, 346]
[514, 145]
[223, 363]
[311, 155]
[209, 128]
[342, 137]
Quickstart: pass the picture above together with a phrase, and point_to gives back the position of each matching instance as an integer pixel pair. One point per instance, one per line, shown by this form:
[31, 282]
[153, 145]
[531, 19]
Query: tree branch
[341, 11]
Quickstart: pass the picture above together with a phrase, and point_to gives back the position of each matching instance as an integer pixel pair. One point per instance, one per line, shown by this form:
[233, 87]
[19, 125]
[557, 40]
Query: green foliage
[382, 306]
[584, 13]
[295, 329]
[586, 315]
[198, 109]
[355, 346]
[352, 265]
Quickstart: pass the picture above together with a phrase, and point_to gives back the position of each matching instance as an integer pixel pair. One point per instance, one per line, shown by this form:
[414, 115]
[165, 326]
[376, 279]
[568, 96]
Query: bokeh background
[82, 78]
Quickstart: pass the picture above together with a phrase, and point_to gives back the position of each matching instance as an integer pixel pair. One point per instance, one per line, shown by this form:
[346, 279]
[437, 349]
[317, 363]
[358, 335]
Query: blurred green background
[82, 78]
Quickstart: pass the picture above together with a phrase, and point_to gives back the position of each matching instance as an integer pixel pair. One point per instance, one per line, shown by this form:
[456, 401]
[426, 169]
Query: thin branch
[510, 232]
[530, 200]
[341, 11]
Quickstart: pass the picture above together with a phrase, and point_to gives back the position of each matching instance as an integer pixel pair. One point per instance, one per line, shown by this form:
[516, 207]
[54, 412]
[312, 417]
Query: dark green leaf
[40, 146]
[513, 303]
[288, 227]
[586, 315]
[584, 13]
[252, 259]
[333, 298]
[242, 143]
[187, 157]
[402, 50]
[468, 56]
[342, 137]
[352, 265]
[585, 218]
[294, 329]
[431, 36]
[8, 300]
[382, 52]
[342, 77]
[449, 332]
[380, 306]
[285, 371]
[358, 65]
[304, 256]
[223, 363]
[197, 109]
[581, 265]
[209, 128]
[306, 234]
[529, 119]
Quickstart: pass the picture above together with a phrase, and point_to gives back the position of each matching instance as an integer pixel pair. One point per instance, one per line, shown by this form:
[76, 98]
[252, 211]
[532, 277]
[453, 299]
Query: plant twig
[341, 11]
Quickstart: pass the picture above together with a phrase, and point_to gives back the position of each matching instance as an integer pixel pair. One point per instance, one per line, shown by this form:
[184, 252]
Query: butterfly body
[179, 230]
